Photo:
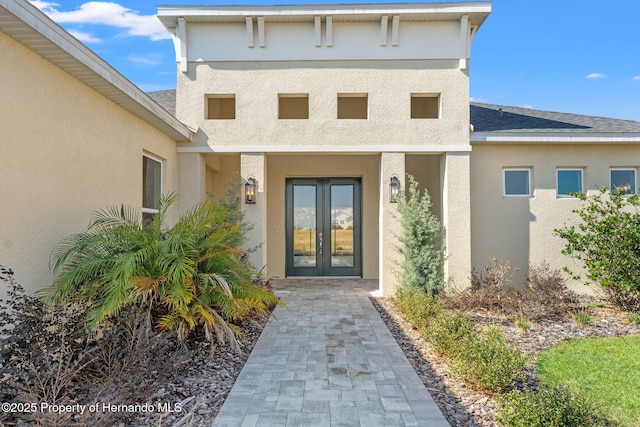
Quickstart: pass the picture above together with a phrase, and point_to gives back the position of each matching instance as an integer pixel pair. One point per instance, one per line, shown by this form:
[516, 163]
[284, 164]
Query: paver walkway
[327, 360]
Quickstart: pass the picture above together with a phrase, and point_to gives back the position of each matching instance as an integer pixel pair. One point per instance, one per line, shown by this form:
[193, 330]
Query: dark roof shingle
[166, 99]
[502, 119]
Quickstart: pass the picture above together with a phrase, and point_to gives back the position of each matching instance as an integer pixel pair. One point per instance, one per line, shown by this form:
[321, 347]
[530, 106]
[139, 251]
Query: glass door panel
[342, 226]
[304, 226]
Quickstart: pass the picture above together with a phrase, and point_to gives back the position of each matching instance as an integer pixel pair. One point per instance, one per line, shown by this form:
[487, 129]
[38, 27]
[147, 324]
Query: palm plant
[188, 275]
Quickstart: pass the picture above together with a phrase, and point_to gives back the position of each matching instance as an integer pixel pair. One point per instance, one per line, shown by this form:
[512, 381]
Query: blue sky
[559, 55]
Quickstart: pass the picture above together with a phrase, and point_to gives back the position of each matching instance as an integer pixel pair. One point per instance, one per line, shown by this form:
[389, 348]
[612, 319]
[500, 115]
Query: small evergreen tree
[420, 241]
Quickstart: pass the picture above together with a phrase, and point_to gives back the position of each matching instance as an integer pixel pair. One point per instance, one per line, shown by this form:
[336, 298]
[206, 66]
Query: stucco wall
[521, 229]
[388, 84]
[65, 151]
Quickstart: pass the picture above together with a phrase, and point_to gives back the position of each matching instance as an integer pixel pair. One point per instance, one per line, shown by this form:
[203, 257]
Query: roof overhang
[29, 26]
[476, 11]
[555, 138]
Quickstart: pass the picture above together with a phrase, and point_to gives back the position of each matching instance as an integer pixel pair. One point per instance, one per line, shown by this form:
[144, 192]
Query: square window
[221, 107]
[425, 106]
[623, 179]
[568, 181]
[151, 186]
[352, 105]
[293, 106]
[517, 182]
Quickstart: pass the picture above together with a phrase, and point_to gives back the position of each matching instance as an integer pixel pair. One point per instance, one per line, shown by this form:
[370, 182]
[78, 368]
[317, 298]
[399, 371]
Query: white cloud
[107, 13]
[85, 37]
[636, 78]
[151, 59]
[596, 76]
[530, 107]
[479, 100]
[43, 4]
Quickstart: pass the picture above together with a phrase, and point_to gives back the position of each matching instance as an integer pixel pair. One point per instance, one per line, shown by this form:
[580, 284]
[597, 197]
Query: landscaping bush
[43, 351]
[417, 307]
[189, 276]
[544, 294]
[449, 333]
[607, 243]
[420, 241]
[488, 361]
[547, 407]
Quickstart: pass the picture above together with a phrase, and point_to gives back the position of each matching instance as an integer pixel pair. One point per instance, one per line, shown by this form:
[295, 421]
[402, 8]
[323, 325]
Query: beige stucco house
[317, 111]
[75, 136]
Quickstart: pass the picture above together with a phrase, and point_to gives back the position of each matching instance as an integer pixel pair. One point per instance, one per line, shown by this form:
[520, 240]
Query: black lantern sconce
[394, 189]
[250, 191]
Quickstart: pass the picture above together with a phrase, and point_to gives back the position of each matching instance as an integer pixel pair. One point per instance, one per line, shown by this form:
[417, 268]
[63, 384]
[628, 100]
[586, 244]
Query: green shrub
[633, 318]
[607, 242]
[420, 241]
[449, 333]
[192, 275]
[523, 324]
[583, 318]
[547, 407]
[488, 361]
[416, 306]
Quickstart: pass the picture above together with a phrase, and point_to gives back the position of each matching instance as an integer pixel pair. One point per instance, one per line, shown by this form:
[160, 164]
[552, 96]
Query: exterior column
[192, 178]
[253, 165]
[389, 257]
[456, 218]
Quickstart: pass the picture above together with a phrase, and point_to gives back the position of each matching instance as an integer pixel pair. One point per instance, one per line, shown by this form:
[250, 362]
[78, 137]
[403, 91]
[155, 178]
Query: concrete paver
[327, 360]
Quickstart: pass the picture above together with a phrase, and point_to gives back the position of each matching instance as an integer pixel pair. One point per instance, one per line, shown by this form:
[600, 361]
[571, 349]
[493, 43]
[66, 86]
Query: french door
[323, 227]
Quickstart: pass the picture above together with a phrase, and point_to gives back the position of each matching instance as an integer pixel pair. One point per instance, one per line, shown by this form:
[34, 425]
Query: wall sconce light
[394, 189]
[250, 191]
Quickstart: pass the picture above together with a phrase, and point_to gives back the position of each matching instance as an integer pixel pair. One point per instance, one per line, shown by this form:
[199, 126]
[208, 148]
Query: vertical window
[568, 181]
[221, 107]
[517, 182]
[623, 179]
[352, 105]
[293, 105]
[151, 186]
[425, 106]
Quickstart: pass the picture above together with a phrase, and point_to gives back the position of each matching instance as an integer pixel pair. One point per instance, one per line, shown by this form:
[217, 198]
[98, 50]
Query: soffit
[26, 24]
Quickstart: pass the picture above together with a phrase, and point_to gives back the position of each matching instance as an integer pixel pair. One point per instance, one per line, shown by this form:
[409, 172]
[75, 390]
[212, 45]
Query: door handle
[320, 243]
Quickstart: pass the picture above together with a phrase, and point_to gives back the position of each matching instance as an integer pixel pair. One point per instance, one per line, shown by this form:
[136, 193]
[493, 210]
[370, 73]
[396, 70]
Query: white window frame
[161, 162]
[504, 182]
[635, 179]
[568, 196]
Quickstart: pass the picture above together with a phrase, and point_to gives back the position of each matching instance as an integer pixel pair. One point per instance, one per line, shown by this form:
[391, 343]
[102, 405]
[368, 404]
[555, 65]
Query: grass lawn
[605, 370]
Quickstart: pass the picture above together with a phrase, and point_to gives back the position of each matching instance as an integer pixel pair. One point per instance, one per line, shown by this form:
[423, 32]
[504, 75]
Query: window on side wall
[425, 105]
[517, 182]
[293, 105]
[568, 181]
[352, 105]
[151, 186]
[624, 179]
[221, 107]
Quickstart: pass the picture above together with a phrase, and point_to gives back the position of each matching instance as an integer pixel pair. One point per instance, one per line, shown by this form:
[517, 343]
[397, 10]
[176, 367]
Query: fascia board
[550, 138]
[168, 14]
